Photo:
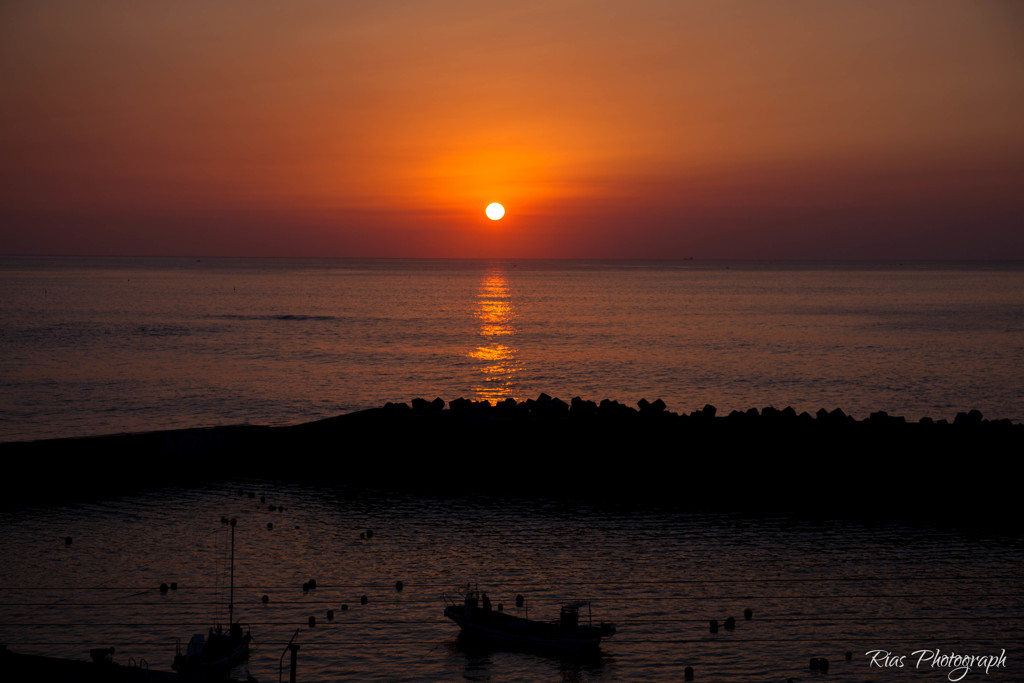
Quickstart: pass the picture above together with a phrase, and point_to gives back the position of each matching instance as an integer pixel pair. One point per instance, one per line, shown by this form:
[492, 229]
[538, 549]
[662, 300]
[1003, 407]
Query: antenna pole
[231, 599]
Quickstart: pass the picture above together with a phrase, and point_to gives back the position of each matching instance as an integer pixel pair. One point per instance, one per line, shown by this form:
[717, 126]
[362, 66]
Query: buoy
[519, 600]
[714, 626]
[688, 673]
[305, 586]
[748, 614]
[330, 615]
[501, 607]
[369, 534]
[399, 586]
[67, 540]
[273, 507]
[174, 585]
[265, 599]
[344, 608]
[363, 600]
[823, 665]
[730, 624]
[814, 664]
[270, 526]
[263, 499]
[849, 655]
[163, 587]
[312, 584]
[362, 535]
[312, 622]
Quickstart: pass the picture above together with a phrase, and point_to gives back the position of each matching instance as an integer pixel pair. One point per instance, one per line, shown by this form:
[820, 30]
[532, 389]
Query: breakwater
[761, 459]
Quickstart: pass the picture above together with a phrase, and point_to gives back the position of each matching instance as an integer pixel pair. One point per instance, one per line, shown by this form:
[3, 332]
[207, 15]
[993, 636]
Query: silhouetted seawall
[756, 461]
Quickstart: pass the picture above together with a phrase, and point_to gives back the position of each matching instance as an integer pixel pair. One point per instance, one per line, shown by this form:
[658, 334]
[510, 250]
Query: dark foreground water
[816, 588]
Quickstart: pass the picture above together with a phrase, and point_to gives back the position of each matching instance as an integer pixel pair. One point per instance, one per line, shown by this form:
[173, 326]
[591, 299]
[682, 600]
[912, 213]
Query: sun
[495, 211]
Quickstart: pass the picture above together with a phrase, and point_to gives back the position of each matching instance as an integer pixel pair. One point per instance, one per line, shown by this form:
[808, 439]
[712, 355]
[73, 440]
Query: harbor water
[816, 588]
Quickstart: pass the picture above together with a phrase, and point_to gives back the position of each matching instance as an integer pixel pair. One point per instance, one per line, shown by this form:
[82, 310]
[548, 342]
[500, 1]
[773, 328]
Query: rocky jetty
[763, 460]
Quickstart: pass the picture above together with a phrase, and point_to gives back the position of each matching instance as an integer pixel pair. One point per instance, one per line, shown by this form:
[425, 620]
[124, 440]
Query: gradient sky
[657, 129]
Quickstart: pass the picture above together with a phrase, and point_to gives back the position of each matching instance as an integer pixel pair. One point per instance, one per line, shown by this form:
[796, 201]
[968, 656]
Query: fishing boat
[478, 620]
[219, 650]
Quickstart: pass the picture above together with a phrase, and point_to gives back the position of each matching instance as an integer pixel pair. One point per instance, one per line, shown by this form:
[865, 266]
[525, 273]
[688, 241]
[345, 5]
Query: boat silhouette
[219, 650]
[479, 621]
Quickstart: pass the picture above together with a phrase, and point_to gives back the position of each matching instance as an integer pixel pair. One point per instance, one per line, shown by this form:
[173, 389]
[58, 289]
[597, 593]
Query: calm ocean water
[102, 345]
[816, 589]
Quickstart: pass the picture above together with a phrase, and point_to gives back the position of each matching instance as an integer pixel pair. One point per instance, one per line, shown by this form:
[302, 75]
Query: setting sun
[495, 211]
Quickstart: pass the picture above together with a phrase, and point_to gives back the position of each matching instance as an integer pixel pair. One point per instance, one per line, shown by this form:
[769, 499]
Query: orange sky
[675, 128]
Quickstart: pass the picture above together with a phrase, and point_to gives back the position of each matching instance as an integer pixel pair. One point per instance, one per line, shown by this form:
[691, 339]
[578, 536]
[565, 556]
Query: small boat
[477, 619]
[216, 654]
[220, 650]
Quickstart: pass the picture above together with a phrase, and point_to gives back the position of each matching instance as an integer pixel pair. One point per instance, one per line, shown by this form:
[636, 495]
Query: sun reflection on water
[495, 350]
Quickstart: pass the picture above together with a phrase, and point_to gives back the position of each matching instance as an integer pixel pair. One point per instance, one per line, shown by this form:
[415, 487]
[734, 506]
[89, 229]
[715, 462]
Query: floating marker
[174, 585]
[330, 615]
[344, 608]
[312, 622]
[399, 586]
[67, 540]
[265, 599]
[163, 587]
[688, 673]
[270, 526]
[519, 600]
[369, 534]
[730, 624]
[363, 600]
[748, 614]
[312, 584]
[714, 626]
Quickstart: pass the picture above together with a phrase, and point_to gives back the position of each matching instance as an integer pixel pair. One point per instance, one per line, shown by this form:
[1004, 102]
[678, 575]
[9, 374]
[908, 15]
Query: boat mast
[231, 598]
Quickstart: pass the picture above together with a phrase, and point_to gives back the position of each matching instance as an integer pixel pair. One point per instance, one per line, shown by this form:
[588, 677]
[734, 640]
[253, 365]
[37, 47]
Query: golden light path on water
[496, 348]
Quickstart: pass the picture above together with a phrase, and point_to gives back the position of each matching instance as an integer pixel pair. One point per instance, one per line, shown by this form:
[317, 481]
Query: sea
[108, 345]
